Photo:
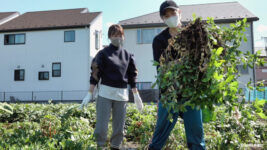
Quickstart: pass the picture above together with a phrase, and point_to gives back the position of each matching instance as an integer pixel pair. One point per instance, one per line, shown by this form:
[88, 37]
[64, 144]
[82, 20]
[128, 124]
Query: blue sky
[116, 10]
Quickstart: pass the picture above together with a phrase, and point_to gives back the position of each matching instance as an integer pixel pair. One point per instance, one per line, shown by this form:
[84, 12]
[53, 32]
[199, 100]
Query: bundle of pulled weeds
[184, 63]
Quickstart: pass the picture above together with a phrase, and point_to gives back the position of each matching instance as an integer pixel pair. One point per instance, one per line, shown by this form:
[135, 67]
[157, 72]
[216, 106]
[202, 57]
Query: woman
[116, 68]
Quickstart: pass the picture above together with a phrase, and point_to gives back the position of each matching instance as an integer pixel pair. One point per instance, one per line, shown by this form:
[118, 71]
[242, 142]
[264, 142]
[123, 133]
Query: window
[242, 70]
[14, 39]
[19, 75]
[44, 75]
[265, 43]
[56, 69]
[97, 40]
[69, 36]
[263, 69]
[146, 36]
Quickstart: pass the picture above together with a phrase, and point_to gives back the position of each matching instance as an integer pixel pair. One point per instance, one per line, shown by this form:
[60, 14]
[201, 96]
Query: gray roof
[53, 19]
[221, 12]
[4, 15]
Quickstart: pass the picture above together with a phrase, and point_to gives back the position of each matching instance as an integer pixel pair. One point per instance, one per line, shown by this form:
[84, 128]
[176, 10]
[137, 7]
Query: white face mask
[172, 21]
[116, 41]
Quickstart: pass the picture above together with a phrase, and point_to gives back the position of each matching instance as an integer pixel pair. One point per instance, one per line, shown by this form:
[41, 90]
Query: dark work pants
[192, 123]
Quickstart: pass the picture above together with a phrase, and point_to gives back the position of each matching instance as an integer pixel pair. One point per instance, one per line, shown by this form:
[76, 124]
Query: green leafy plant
[259, 107]
[5, 108]
[49, 125]
[199, 66]
[74, 128]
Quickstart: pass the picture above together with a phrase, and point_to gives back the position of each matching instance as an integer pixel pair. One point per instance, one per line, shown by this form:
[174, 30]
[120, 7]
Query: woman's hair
[115, 28]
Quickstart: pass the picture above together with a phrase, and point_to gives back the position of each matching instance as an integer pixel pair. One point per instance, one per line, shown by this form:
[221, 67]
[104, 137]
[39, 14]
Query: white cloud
[262, 28]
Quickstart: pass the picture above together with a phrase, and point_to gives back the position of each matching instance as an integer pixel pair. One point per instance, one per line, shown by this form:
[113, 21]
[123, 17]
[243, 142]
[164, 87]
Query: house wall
[143, 55]
[96, 25]
[44, 48]
[261, 72]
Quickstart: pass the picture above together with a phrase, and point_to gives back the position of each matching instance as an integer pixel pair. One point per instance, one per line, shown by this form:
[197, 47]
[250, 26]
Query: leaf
[262, 115]
[245, 20]
[168, 74]
[219, 51]
[205, 79]
[154, 85]
[230, 78]
[260, 103]
[194, 16]
[155, 63]
[6, 108]
[208, 115]
[217, 77]
[259, 52]
[234, 84]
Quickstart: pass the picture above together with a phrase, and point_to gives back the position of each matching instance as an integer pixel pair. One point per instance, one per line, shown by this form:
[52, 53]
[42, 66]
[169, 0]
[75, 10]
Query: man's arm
[155, 46]
[157, 50]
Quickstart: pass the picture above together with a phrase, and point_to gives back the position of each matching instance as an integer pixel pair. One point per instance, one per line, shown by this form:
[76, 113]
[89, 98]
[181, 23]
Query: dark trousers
[192, 123]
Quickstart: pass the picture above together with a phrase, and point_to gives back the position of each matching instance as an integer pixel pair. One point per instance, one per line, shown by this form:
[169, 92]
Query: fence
[251, 95]
[35, 96]
[148, 95]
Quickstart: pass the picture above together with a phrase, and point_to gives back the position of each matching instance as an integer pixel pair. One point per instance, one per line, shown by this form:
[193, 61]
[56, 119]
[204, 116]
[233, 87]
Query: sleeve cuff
[94, 82]
[133, 85]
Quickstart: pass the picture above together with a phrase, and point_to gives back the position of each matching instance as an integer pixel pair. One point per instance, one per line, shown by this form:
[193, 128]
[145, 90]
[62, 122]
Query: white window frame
[139, 40]
[97, 39]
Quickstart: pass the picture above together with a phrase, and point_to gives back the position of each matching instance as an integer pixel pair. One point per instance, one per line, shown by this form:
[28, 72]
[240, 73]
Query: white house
[140, 31]
[261, 45]
[261, 72]
[47, 54]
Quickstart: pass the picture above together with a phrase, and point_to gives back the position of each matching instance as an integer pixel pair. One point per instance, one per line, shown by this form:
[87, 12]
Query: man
[171, 15]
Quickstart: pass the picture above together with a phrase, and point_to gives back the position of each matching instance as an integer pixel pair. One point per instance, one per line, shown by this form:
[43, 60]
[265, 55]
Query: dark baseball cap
[167, 4]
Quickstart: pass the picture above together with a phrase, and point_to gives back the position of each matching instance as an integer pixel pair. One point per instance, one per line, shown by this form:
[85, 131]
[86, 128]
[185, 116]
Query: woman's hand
[137, 100]
[86, 99]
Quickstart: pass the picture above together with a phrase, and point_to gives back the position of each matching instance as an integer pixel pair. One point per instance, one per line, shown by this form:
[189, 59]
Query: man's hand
[86, 100]
[138, 101]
